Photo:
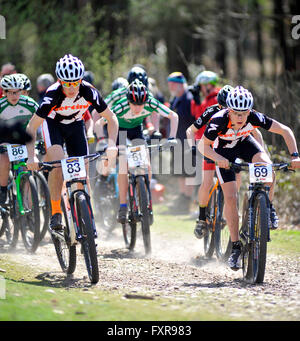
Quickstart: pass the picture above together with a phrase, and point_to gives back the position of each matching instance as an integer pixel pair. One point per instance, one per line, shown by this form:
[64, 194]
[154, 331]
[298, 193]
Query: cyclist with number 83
[228, 137]
[61, 116]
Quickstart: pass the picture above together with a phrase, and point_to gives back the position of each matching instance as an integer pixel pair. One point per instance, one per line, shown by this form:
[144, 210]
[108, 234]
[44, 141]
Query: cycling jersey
[232, 144]
[206, 116]
[22, 111]
[221, 131]
[128, 120]
[57, 106]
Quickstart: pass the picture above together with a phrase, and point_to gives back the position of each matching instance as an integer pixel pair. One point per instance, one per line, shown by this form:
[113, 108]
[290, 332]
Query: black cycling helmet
[137, 73]
[137, 93]
[223, 93]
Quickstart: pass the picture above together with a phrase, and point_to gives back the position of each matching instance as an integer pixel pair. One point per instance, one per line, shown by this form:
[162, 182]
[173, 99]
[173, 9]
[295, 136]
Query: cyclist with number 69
[61, 116]
[227, 137]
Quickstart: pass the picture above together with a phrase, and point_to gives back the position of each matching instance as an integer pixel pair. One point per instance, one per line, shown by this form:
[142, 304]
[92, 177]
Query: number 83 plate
[73, 168]
[260, 172]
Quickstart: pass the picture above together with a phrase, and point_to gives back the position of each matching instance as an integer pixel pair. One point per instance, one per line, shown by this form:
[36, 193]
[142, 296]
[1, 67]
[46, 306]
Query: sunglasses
[69, 84]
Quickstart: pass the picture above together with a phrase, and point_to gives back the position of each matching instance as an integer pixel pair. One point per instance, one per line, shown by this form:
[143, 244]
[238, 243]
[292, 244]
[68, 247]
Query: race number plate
[137, 156]
[260, 172]
[73, 168]
[16, 152]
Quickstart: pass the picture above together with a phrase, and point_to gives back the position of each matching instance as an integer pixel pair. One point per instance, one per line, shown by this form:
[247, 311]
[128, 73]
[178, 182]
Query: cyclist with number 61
[60, 115]
[227, 137]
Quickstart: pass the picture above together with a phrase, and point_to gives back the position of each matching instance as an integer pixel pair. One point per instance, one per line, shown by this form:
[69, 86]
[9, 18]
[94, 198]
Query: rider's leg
[4, 174]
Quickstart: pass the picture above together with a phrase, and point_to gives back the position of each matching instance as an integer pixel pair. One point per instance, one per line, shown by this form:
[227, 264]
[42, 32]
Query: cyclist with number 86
[14, 107]
[227, 137]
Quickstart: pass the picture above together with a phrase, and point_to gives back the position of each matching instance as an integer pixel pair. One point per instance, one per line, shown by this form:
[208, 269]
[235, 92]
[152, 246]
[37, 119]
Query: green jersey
[128, 120]
[21, 112]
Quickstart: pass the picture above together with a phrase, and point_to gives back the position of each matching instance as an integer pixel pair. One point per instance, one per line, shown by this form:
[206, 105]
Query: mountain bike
[21, 210]
[139, 196]
[217, 237]
[79, 224]
[255, 229]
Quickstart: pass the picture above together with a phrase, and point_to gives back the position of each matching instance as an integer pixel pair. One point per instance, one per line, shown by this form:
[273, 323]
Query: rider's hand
[222, 163]
[32, 163]
[171, 142]
[295, 163]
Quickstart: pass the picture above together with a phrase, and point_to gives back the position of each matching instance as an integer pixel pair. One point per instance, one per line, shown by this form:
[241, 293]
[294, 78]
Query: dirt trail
[177, 271]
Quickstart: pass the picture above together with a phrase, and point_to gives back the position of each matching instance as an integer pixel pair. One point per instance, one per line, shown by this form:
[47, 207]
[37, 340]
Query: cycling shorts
[73, 135]
[135, 135]
[208, 164]
[244, 150]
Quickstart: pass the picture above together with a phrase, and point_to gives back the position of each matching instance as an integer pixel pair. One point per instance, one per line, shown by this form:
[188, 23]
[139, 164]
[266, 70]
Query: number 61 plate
[260, 172]
[73, 168]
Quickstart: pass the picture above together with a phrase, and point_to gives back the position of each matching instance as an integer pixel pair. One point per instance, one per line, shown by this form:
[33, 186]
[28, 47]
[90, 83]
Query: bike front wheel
[30, 221]
[88, 237]
[255, 254]
[144, 211]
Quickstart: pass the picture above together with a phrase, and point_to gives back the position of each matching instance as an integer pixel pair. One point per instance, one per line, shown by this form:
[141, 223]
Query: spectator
[207, 81]
[6, 69]
[42, 83]
[181, 104]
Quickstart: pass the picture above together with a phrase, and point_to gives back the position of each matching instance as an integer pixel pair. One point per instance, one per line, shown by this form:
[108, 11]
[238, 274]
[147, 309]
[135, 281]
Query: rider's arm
[287, 134]
[205, 148]
[31, 129]
[112, 126]
[173, 117]
[190, 134]
[258, 136]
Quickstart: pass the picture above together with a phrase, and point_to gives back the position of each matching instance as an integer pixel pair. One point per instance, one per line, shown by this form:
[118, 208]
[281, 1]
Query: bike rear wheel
[144, 211]
[255, 255]
[209, 238]
[222, 236]
[88, 236]
[30, 221]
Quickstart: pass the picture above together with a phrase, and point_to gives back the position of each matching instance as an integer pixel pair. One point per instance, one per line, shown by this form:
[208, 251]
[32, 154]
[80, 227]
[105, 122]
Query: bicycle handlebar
[49, 165]
[244, 166]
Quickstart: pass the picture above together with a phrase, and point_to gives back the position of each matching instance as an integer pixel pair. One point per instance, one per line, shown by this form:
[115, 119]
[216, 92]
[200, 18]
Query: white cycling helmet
[69, 68]
[13, 81]
[239, 99]
[26, 81]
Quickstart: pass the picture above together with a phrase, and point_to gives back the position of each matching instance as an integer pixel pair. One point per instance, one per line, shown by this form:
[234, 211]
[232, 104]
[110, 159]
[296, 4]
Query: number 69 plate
[260, 172]
[73, 168]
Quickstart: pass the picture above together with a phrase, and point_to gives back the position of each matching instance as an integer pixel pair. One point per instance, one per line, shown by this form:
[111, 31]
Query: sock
[3, 189]
[236, 245]
[123, 205]
[55, 205]
[202, 213]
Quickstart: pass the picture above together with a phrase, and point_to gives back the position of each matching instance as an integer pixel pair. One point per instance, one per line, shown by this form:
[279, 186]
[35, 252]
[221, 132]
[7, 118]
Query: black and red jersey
[220, 130]
[66, 110]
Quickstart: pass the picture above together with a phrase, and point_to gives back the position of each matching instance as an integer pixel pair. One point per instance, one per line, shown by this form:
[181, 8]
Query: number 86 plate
[260, 172]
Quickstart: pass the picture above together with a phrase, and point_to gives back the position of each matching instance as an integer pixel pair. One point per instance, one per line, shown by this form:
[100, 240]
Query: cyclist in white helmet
[14, 108]
[26, 84]
[61, 116]
[227, 137]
